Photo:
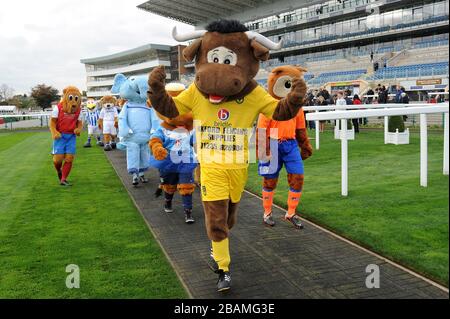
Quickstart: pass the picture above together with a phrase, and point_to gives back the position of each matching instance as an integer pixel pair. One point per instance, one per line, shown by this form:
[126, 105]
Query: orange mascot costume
[286, 144]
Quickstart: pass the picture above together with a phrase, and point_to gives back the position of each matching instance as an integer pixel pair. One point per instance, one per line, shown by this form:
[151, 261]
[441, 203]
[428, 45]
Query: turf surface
[386, 209]
[94, 224]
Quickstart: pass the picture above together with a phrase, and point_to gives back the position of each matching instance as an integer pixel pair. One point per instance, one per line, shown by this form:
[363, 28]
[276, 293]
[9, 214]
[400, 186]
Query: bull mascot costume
[225, 101]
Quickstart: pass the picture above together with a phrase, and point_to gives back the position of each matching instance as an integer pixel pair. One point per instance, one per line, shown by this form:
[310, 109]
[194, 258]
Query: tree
[6, 92]
[22, 101]
[44, 95]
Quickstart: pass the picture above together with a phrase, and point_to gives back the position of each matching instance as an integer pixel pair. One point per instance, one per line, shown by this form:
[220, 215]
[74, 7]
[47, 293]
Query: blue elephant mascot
[137, 121]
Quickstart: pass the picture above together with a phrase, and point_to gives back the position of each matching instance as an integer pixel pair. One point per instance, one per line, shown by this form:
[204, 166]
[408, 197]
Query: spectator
[432, 100]
[322, 102]
[382, 95]
[340, 100]
[310, 102]
[357, 101]
[370, 94]
[401, 97]
[398, 94]
[323, 92]
[349, 101]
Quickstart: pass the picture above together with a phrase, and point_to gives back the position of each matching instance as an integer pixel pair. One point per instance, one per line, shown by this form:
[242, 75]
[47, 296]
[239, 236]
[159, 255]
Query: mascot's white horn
[251, 35]
[187, 36]
[269, 44]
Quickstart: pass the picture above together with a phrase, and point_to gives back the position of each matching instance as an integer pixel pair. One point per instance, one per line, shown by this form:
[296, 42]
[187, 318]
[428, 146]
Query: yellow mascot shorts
[220, 184]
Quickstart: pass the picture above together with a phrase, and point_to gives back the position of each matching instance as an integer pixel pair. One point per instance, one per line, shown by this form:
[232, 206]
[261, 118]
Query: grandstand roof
[126, 54]
[199, 12]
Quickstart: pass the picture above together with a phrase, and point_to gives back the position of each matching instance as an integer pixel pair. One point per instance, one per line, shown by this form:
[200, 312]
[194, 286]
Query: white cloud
[43, 41]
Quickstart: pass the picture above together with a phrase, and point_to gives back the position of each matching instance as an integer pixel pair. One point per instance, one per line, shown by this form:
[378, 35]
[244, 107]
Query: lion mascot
[173, 155]
[137, 121]
[64, 127]
[91, 117]
[225, 101]
[289, 140]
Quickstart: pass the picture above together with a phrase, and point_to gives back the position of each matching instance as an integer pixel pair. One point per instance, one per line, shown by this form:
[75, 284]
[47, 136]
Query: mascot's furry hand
[56, 135]
[264, 158]
[77, 131]
[301, 136]
[158, 150]
[306, 151]
[157, 80]
[298, 91]
[157, 94]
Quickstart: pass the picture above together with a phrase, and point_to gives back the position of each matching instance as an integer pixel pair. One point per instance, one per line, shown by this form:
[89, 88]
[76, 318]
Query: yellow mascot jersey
[223, 130]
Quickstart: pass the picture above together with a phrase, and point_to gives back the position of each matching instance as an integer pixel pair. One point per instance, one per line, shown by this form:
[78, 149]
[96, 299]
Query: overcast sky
[43, 41]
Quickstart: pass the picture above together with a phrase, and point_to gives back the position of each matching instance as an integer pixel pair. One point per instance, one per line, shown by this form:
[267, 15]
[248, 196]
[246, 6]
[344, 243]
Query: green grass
[386, 210]
[94, 224]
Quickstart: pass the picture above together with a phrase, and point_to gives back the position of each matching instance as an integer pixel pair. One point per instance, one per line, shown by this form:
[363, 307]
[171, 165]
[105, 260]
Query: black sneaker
[295, 220]
[87, 144]
[100, 143]
[64, 183]
[135, 179]
[168, 206]
[113, 145]
[268, 220]
[212, 263]
[142, 179]
[188, 219]
[107, 147]
[224, 281]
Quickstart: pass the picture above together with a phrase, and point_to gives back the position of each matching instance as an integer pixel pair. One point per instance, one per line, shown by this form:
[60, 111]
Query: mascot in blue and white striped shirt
[91, 118]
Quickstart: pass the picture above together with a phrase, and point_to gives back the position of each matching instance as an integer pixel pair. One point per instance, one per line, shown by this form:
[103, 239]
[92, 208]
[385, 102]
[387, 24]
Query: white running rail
[422, 109]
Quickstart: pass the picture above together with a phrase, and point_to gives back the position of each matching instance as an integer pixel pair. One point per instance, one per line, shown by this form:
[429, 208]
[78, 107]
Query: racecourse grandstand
[352, 44]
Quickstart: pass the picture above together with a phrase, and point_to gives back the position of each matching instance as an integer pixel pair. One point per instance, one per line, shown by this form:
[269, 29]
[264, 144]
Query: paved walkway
[278, 262]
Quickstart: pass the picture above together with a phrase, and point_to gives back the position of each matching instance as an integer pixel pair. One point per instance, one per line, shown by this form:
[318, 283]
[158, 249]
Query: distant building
[100, 71]
[8, 109]
[340, 42]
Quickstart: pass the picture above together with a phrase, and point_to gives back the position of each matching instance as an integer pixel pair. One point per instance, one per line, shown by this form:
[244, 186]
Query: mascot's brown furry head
[279, 82]
[227, 58]
[71, 99]
[108, 101]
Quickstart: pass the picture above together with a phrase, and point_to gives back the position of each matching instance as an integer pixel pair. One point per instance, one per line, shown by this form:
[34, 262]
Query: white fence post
[386, 129]
[317, 133]
[445, 166]
[423, 151]
[344, 157]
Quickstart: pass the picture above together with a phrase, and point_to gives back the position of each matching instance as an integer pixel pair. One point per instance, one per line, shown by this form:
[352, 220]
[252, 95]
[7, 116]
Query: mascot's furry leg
[144, 158]
[220, 217]
[186, 191]
[63, 165]
[107, 142]
[67, 167]
[216, 220]
[268, 191]
[134, 161]
[295, 182]
[58, 160]
[169, 191]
